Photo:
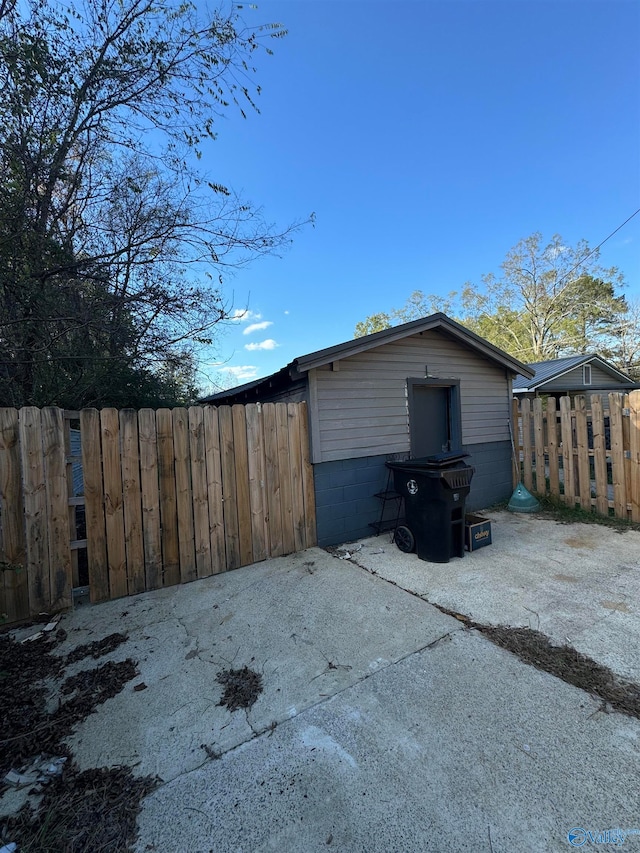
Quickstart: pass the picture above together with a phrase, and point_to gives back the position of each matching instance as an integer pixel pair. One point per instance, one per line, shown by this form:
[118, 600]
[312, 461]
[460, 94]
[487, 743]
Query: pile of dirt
[241, 687]
[79, 812]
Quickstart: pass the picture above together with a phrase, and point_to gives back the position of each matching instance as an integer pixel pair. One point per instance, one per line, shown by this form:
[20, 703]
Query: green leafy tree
[550, 300]
[538, 302]
[112, 245]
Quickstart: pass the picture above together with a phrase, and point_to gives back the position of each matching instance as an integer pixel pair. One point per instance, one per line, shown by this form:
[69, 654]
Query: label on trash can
[412, 487]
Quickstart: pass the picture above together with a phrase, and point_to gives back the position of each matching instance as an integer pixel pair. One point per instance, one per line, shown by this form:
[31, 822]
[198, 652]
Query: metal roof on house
[545, 371]
[440, 322]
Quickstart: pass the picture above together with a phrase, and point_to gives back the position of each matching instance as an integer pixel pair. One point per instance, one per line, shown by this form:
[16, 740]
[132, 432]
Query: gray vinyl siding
[572, 381]
[361, 410]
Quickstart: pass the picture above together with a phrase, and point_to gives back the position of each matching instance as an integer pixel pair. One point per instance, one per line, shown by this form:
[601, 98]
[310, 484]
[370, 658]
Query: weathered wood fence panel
[169, 496]
[584, 456]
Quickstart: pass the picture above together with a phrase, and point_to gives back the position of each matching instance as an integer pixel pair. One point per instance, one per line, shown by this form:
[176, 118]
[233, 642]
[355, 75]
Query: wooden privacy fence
[585, 456]
[165, 497]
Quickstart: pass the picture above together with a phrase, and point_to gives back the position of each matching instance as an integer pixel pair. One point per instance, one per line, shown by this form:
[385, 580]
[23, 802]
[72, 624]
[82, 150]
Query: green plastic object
[522, 501]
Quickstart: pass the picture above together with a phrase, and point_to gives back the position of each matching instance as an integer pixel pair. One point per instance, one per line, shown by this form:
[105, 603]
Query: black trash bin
[434, 490]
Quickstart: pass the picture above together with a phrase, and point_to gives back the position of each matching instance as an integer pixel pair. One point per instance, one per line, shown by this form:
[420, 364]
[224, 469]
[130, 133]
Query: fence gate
[127, 501]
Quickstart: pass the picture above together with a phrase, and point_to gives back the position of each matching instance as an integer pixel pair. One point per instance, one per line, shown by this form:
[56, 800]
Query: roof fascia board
[395, 333]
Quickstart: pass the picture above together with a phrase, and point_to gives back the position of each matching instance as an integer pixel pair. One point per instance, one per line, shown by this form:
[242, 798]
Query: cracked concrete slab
[577, 583]
[457, 747]
[384, 724]
[310, 624]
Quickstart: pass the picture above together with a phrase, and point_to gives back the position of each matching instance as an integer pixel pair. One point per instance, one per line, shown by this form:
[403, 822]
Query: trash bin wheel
[404, 539]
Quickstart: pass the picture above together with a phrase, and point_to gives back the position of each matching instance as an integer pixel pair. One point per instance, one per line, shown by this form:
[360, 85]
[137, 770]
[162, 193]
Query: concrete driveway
[384, 724]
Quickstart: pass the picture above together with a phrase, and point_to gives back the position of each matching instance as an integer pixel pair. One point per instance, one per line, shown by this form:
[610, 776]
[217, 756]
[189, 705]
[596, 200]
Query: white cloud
[243, 315]
[257, 327]
[241, 372]
[268, 344]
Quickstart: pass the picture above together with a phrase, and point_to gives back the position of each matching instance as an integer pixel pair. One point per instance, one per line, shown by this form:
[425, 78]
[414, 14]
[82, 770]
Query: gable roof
[547, 371]
[296, 369]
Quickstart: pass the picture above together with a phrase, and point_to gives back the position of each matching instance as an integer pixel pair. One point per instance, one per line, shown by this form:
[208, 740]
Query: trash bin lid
[430, 463]
[448, 457]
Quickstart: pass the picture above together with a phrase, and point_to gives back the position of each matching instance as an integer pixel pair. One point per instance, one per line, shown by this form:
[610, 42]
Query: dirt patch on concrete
[536, 649]
[68, 810]
[241, 687]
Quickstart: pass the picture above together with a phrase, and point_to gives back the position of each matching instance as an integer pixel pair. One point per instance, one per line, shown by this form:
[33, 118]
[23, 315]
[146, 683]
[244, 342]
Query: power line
[580, 262]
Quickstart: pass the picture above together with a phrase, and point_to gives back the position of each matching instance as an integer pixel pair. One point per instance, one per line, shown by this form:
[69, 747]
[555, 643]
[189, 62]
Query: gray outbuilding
[418, 389]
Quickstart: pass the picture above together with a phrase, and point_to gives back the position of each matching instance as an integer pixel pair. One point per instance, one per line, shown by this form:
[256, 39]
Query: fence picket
[297, 495]
[284, 475]
[599, 455]
[114, 507]
[552, 444]
[94, 506]
[184, 496]
[272, 480]
[14, 589]
[131, 500]
[202, 539]
[582, 441]
[168, 500]
[242, 483]
[149, 486]
[35, 509]
[526, 444]
[57, 512]
[214, 489]
[566, 433]
[255, 456]
[229, 495]
[617, 455]
[538, 433]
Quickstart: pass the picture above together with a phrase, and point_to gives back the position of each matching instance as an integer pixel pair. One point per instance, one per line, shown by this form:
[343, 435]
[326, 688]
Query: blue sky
[428, 138]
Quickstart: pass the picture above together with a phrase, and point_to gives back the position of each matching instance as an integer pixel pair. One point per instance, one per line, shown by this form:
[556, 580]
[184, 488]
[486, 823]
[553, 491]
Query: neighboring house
[576, 374]
[416, 389]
